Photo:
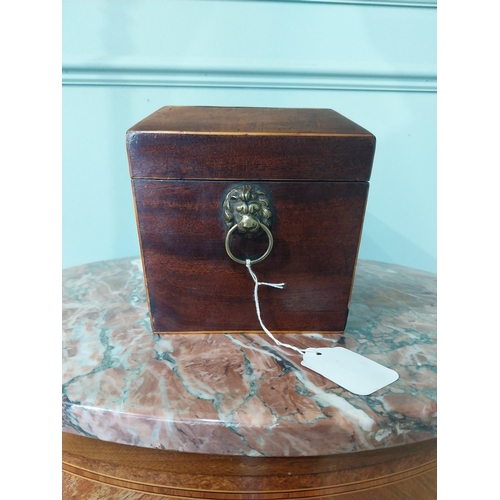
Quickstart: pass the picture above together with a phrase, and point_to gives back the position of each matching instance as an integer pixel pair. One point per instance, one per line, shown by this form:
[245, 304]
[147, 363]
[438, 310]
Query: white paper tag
[351, 371]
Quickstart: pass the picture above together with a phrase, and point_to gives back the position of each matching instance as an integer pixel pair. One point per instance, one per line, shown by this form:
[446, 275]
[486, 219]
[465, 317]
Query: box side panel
[270, 157]
[194, 285]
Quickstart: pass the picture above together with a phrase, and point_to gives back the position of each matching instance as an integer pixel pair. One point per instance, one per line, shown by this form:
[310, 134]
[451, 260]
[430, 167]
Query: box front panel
[193, 285]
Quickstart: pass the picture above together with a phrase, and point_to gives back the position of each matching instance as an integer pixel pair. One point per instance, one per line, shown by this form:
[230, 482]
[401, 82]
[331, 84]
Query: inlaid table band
[240, 394]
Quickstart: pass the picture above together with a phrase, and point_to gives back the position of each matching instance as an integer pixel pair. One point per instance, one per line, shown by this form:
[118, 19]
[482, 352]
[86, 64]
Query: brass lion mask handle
[247, 211]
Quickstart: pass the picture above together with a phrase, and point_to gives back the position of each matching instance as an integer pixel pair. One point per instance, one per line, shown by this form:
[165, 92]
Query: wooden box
[213, 183]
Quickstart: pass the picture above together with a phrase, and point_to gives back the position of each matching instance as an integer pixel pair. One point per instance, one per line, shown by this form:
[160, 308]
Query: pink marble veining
[240, 394]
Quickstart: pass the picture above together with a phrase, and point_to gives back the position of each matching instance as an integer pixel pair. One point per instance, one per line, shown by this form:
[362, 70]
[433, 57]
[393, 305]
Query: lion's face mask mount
[247, 211]
[247, 207]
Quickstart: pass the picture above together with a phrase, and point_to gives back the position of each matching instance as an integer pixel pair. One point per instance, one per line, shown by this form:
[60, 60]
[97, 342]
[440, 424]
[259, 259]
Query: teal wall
[373, 61]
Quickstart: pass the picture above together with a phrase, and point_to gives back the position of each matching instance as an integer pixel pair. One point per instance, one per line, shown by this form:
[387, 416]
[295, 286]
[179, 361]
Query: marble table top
[242, 394]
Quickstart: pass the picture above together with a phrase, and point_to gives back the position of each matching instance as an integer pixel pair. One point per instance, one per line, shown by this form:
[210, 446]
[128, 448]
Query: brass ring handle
[260, 259]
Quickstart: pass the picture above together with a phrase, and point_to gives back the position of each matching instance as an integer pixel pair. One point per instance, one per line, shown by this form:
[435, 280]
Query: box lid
[216, 143]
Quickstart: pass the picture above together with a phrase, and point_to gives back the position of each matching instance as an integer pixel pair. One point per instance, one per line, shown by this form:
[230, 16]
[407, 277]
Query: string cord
[257, 307]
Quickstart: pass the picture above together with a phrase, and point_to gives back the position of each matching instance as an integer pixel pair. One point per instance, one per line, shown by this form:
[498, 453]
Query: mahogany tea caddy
[214, 186]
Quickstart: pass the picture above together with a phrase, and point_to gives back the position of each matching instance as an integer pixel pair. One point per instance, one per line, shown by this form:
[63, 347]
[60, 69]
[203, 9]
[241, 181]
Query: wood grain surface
[95, 469]
[194, 286]
[248, 120]
[249, 144]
